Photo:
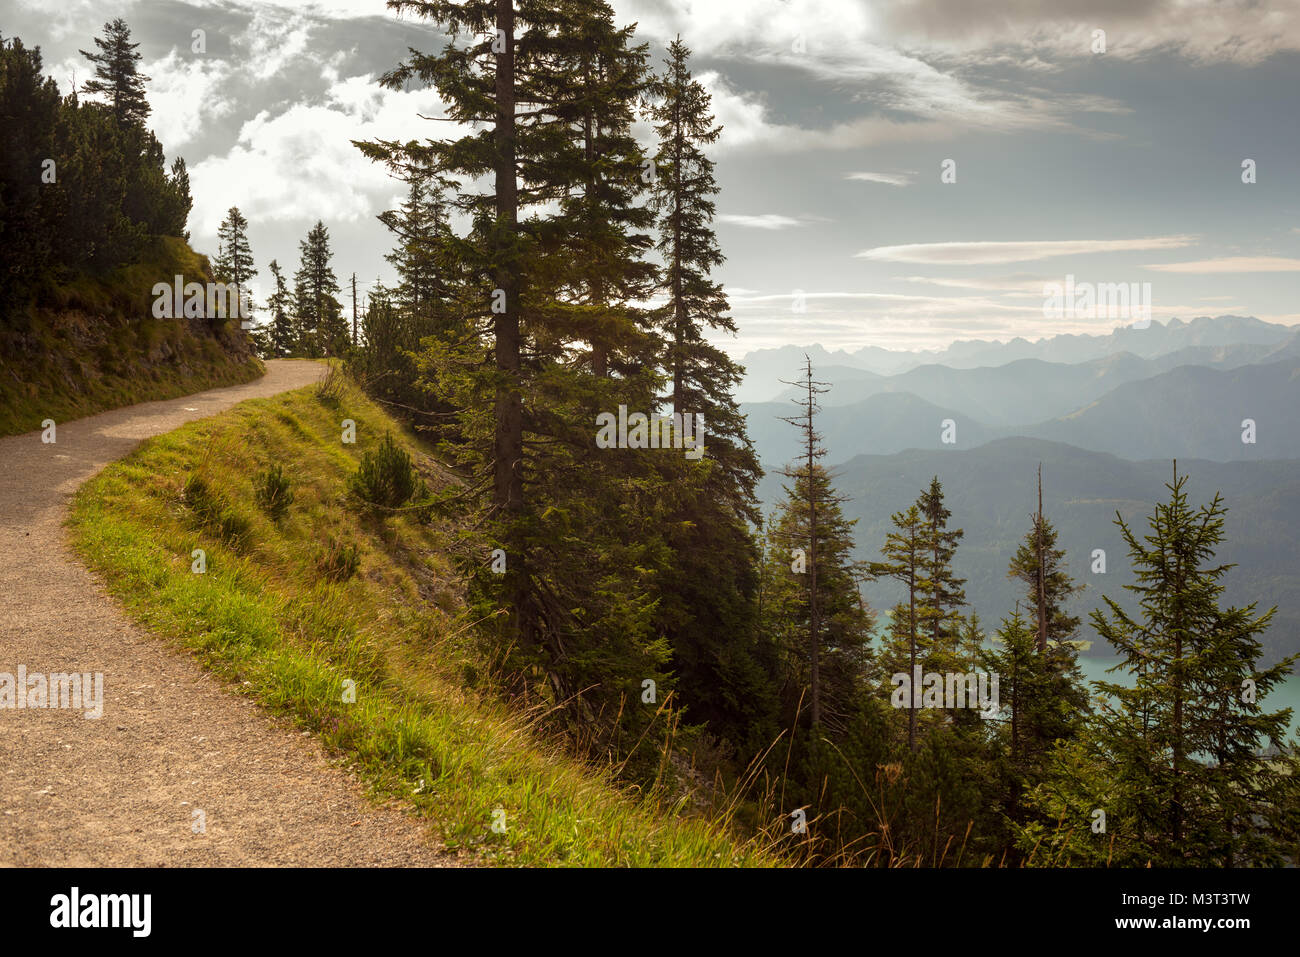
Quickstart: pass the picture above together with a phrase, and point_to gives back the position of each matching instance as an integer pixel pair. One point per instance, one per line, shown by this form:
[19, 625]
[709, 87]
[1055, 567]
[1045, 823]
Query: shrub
[198, 495]
[338, 561]
[231, 526]
[386, 476]
[273, 493]
[330, 387]
[212, 511]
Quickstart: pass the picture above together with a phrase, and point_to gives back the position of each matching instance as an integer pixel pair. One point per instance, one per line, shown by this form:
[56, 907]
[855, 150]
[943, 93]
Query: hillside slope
[1191, 412]
[288, 610]
[93, 344]
[884, 423]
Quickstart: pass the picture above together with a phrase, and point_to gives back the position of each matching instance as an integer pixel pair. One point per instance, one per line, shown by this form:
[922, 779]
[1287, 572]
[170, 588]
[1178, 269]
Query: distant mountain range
[1191, 411]
[1186, 412]
[1028, 390]
[1104, 414]
[765, 368]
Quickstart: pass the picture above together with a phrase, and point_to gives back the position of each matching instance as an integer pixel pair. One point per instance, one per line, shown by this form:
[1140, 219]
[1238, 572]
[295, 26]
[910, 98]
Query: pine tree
[940, 592]
[581, 527]
[811, 513]
[1191, 659]
[321, 329]
[1040, 565]
[905, 554]
[703, 378]
[234, 262]
[280, 306]
[1176, 760]
[116, 74]
[599, 254]
[422, 234]
[1043, 705]
[813, 451]
[180, 181]
[30, 211]
[1042, 684]
[1058, 711]
[709, 592]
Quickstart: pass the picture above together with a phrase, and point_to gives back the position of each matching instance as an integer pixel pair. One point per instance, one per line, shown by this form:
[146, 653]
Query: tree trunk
[814, 623]
[508, 439]
[1042, 568]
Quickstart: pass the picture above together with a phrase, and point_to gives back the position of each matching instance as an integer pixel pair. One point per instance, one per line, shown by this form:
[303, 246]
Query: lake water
[1286, 695]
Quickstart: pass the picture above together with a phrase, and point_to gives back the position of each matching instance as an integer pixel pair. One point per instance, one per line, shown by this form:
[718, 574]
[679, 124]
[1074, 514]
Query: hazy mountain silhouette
[1191, 411]
[1027, 391]
[888, 422]
[765, 368]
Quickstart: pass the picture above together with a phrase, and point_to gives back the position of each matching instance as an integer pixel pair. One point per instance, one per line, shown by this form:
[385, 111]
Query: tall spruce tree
[708, 595]
[1042, 684]
[30, 211]
[421, 231]
[599, 254]
[1040, 566]
[794, 586]
[180, 180]
[280, 306]
[941, 594]
[234, 262]
[811, 454]
[580, 527]
[321, 329]
[905, 555]
[116, 75]
[702, 377]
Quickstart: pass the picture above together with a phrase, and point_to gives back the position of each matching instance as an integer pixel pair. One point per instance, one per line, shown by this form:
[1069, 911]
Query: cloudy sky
[840, 116]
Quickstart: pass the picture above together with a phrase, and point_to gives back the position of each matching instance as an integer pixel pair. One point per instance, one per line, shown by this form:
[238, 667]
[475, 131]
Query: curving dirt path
[121, 790]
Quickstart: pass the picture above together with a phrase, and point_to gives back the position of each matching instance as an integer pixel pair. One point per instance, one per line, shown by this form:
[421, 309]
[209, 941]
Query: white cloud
[987, 253]
[274, 39]
[760, 221]
[1014, 285]
[300, 164]
[746, 123]
[1034, 34]
[1232, 264]
[185, 94]
[889, 179]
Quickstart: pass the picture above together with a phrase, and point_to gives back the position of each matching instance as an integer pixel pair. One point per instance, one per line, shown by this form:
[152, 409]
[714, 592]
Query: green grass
[266, 617]
[92, 344]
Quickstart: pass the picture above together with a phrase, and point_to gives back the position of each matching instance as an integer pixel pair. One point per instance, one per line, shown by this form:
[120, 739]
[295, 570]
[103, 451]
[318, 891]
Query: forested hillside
[90, 220]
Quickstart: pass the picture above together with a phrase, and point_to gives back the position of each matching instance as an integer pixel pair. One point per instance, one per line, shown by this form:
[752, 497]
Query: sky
[1102, 140]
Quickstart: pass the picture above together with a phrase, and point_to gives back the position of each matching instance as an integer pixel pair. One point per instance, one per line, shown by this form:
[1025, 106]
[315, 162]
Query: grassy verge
[93, 345]
[284, 620]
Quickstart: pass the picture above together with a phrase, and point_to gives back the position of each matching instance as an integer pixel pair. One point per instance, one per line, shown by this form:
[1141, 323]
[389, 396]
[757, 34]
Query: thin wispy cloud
[994, 253]
[760, 221]
[889, 179]
[1232, 264]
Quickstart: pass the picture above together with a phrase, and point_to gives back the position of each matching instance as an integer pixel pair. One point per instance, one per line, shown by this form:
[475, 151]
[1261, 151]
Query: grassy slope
[94, 345]
[266, 620]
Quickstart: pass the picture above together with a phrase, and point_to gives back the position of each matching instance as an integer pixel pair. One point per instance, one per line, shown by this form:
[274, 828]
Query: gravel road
[123, 790]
